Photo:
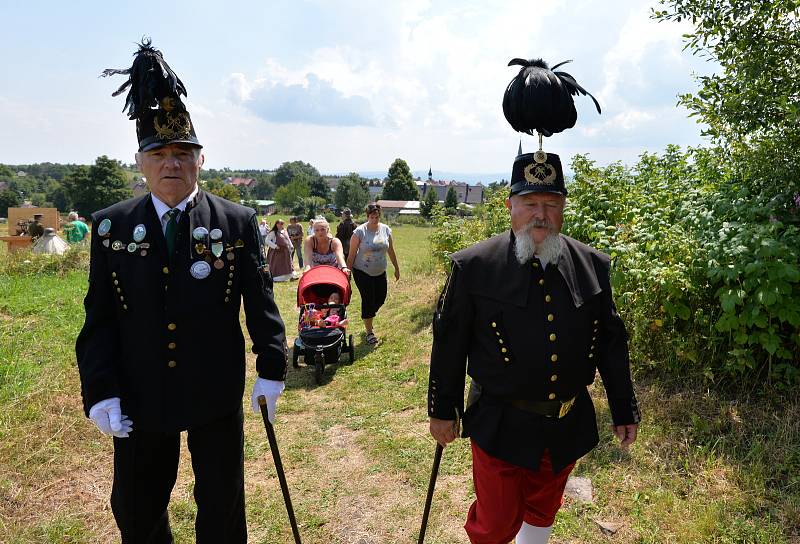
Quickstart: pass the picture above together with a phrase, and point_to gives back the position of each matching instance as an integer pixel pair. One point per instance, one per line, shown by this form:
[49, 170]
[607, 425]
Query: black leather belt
[548, 408]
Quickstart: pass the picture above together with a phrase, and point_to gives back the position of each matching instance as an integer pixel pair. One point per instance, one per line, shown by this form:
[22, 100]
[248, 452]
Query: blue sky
[344, 85]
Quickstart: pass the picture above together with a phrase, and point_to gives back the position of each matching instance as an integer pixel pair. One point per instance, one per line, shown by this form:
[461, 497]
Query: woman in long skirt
[279, 256]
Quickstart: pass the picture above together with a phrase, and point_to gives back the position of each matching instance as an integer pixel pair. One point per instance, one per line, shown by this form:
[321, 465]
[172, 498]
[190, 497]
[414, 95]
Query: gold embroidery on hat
[177, 126]
[543, 174]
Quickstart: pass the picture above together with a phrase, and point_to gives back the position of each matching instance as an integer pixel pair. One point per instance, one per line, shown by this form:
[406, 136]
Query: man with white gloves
[162, 349]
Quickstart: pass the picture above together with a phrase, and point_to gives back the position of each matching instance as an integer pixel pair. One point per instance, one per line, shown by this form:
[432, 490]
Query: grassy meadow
[357, 451]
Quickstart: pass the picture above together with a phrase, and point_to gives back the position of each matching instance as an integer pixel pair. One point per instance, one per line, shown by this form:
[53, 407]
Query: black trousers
[373, 292]
[145, 470]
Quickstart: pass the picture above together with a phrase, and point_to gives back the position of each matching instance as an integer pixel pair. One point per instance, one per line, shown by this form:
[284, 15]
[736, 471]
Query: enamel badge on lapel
[200, 234]
[200, 270]
[131, 247]
[117, 245]
[216, 249]
[104, 228]
[139, 232]
[200, 248]
[106, 242]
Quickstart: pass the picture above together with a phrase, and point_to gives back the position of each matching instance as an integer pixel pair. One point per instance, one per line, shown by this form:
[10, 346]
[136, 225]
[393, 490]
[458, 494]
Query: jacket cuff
[624, 411]
[102, 389]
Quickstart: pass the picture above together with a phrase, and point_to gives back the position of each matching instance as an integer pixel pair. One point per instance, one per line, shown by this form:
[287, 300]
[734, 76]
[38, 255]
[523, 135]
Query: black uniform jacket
[527, 333]
[168, 344]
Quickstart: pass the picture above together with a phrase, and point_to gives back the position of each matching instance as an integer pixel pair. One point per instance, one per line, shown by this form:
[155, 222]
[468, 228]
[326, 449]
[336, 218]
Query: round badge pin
[540, 157]
[131, 247]
[200, 270]
[219, 264]
[139, 232]
[143, 253]
[104, 228]
[200, 233]
[117, 245]
[229, 256]
[216, 234]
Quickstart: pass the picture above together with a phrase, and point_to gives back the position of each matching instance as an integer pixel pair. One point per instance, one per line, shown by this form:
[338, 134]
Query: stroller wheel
[319, 367]
[351, 349]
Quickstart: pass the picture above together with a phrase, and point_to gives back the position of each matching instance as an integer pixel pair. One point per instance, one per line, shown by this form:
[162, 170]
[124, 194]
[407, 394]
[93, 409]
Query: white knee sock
[529, 534]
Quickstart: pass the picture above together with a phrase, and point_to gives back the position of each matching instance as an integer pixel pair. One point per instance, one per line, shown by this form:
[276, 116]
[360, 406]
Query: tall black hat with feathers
[154, 100]
[539, 99]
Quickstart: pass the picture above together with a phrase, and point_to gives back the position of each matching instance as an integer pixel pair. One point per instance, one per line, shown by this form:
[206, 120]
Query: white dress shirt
[162, 209]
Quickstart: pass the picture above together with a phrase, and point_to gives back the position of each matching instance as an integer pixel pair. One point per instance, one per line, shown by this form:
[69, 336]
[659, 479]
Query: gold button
[494, 324]
[554, 357]
[116, 282]
[124, 306]
[591, 355]
[172, 326]
[121, 298]
[596, 322]
[551, 396]
[550, 317]
[595, 331]
[113, 274]
[536, 265]
[506, 359]
[172, 345]
[226, 299]
[172, 364]
[503, 350]
[165, 270]
[554, 377]
[500, 340]
[231, 267]
[230, 275]
[227, 291]
[594, 338]
[541, 282]
[497, 333]
[552, 337]
[592, 347]
[230, 282]
[119, 290]
[548, 298]
[166, 287]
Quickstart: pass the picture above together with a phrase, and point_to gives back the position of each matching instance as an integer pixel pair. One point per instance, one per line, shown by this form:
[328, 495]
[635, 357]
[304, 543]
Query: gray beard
[525, 248]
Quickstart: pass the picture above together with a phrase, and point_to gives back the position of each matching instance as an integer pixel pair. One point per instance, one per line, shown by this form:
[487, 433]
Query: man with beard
[529, 315]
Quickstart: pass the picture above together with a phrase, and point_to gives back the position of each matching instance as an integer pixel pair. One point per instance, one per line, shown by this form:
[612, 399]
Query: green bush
[705, 259]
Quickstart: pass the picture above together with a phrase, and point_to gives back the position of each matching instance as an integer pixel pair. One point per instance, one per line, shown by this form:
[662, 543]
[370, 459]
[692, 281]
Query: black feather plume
[539, 99]
[150, 80]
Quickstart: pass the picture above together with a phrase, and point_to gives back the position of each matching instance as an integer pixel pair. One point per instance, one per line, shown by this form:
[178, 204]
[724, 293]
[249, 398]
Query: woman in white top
[279, 256]
[369, 246]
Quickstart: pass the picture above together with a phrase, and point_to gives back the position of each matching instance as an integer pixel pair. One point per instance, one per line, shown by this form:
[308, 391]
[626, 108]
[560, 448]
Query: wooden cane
[437, 458]
[273, 446]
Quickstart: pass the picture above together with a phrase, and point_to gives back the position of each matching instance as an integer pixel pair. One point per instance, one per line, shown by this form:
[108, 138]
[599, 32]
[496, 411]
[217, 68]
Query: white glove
[271, 389]
[108, 417]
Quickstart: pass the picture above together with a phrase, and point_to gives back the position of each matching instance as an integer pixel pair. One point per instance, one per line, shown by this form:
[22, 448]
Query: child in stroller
[322, 296]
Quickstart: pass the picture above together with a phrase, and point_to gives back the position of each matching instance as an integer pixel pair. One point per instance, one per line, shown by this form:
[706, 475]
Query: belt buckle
[566, 407]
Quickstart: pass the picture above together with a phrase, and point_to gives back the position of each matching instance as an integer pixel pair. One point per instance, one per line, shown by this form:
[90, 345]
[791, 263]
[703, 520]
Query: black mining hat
[538, 172]
[154, 100]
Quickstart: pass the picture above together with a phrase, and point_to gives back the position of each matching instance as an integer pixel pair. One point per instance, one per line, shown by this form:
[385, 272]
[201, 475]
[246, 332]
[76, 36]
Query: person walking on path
[161, 350]
[369, 246]
[322, 248]
[279, 256]
[295, 231]
[344, 230]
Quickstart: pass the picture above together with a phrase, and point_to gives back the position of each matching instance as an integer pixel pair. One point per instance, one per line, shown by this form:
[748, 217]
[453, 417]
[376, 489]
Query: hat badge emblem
[541, 174]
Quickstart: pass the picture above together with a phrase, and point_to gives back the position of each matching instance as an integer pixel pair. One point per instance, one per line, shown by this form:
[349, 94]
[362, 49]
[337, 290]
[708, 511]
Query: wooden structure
[15, 243]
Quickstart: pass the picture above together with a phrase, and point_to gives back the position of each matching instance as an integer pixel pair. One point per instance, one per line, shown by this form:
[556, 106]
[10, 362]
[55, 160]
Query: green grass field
[357, 450]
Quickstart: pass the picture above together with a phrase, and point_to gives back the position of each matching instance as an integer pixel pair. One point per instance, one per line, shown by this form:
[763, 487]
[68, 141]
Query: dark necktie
[172, 230]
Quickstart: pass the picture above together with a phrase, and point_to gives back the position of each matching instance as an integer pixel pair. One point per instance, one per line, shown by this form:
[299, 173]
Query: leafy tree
[286, 197]
[8, 199]
[399, 183]
[428, 203]
[352, 192]
[308, 207]
[288, 171]
[318, 187]
[98, 186]
[451, 199]
[228, 192]
[214, 184]
[263, 188]
[58, 196]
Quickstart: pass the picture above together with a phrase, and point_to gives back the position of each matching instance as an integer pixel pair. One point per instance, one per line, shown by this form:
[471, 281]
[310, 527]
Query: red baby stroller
[322, 324]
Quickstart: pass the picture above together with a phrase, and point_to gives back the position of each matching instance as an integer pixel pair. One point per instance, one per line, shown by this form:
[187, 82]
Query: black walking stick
[437, 459]
[273, 446]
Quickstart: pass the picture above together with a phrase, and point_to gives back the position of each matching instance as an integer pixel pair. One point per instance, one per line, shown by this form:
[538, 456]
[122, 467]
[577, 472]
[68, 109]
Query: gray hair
[73, 216]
